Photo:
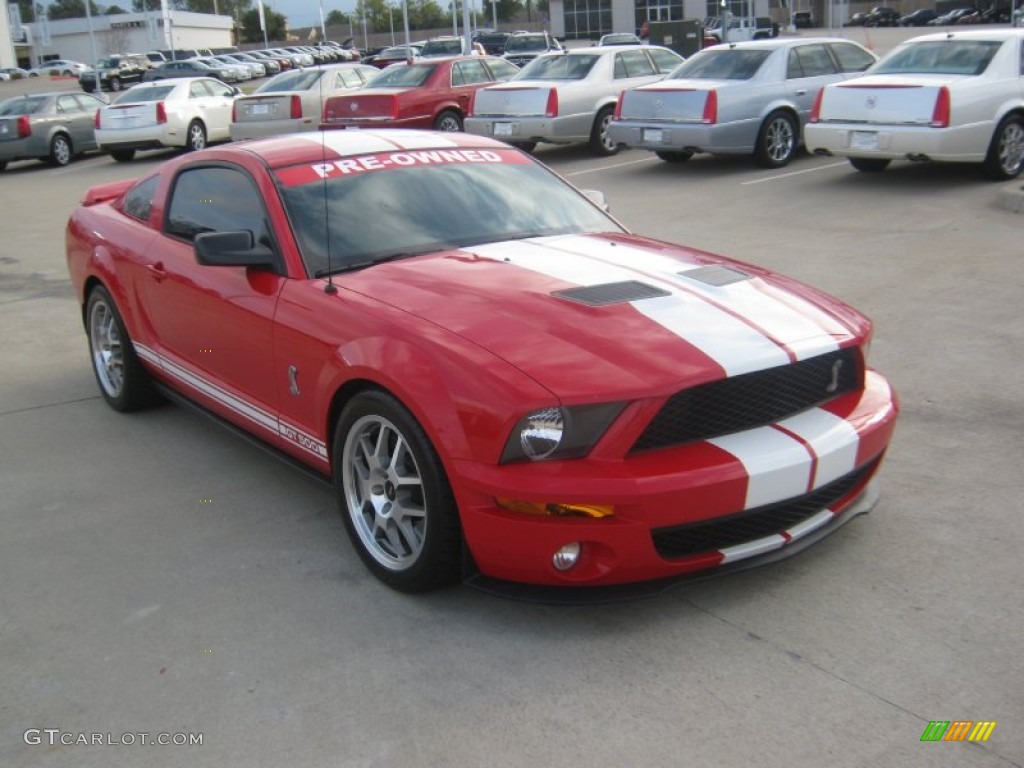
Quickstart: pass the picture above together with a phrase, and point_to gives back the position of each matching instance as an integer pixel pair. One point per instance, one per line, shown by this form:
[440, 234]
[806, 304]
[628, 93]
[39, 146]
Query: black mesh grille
[611, 293]
[751, 399]
[698, 538]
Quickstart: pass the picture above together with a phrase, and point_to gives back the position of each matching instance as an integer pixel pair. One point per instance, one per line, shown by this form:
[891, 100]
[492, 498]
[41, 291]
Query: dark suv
[493, 42]
[522, 48]
[114, 72]
[803, 20]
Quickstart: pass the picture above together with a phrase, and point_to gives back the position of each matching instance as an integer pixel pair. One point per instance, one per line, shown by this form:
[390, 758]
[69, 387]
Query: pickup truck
[740, 29]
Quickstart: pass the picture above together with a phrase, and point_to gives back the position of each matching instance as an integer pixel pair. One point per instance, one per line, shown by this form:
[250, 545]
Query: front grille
[711, 535]
[751, 399]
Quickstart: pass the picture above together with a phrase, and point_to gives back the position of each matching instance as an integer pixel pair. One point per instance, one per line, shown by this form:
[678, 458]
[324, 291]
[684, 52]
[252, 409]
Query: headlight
[559, 432]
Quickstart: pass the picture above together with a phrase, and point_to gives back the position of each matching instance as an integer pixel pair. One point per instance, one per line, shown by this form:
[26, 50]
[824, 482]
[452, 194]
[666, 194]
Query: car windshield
[939, 57]
[111, 63]
[442, 47]
[22, 105]
[561, 67]
[302, 80]
[526, 43]
[725, 64]
[139, 95]
[426, 201]
[403, 77]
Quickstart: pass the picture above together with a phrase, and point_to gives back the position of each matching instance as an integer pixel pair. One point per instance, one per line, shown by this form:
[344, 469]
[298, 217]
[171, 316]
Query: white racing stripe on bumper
[778, 467]
[833, 440]
[752, 548]
[810, 525]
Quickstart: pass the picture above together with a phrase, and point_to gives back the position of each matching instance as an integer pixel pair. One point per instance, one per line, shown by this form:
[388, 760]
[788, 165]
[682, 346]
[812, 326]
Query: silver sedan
[737, 98]
[567, 97]
[48, 126]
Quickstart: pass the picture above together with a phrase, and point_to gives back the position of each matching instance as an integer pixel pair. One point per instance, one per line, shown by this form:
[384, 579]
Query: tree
[337, 18]
[426, 14]
[71, 9]
[113, 9]
[233, 8]
[507, 10]
[276, 25]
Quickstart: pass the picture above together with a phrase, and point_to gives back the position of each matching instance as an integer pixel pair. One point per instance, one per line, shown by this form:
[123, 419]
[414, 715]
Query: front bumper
[963, 144]
[736, 137]
[555, 130]
[716, 490]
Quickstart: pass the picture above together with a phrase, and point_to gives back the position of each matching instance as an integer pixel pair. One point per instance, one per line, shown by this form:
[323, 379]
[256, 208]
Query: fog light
[566, 557]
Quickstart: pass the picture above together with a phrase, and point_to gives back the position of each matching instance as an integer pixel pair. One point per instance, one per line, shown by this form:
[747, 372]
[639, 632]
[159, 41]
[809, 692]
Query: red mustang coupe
[429, 93]
[504, 385]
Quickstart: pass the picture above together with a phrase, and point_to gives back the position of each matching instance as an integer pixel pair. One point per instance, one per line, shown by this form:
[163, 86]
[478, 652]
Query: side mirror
[597, 197]
[232, 249]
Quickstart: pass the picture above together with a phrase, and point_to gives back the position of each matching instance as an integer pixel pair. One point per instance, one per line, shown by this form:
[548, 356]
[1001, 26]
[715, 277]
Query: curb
[1012, 198]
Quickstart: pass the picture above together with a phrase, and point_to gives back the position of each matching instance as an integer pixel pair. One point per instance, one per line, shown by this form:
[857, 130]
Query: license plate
[863, 140]
[503, 129]
[259, 109]
[653, 135]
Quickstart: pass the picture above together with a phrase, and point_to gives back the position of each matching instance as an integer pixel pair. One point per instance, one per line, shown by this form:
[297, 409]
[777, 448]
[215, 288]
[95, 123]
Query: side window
[217, 88]
[457, 77]
[793, 68]
[215, 199]
[88, 103]
[67, 105]
[851, 58]
[664, 61]
[501, 69]
[473, 72]
[620, 68]
[198, 90]
[138, 201]
[636, 63]
[815, 60]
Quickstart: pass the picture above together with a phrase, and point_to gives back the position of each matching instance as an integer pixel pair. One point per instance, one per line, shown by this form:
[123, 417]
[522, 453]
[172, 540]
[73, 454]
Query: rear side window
[664, 60]
[634, 64]
[501, 69]
[469, 73]
[810, 61]
[851, 58]
[138, 201]
[215, 199]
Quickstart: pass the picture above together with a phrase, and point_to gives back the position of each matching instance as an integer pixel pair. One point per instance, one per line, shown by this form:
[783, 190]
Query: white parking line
[83, 163]
[609, 167]
[793, 173]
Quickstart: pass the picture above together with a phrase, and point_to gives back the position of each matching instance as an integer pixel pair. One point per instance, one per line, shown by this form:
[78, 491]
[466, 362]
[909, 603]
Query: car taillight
[96, 119]
[815, 114]
[234, 112]
[940, 115]
[472, 104]
[296, 107]
[24, 127]
[617, 114]
[710, 116]
[161, 112]
[551, 110]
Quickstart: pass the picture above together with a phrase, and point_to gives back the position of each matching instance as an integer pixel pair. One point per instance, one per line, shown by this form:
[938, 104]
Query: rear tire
[115, 84]
[195, 136]
[673, 157]
[869, 164]
[777, 140]
[123, 155]
[123, 382]
[60, 150]
[601, 143]
[525, 146]
[1005, 158]
[449, 121]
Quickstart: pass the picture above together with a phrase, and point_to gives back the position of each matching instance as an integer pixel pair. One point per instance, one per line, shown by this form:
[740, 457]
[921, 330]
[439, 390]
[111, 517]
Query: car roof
[973, 34]
[778, 42]
[320, 146]
[604, 49]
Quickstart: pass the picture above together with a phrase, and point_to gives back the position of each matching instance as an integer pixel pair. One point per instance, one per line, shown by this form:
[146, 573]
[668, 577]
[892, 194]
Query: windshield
[526, 43]
[940, 57]
[425, 201]
[139, 95]
[22, 105]
[727, 64]
[560, 67]
[403, 77]
[108, 64]
[302, 80]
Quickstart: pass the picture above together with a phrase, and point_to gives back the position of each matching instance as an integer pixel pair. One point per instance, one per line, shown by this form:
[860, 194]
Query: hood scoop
[606, 294]
[716, 275]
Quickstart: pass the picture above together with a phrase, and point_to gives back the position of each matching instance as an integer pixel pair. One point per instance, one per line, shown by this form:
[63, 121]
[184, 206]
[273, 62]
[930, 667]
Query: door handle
[801, 91]
[157, 271]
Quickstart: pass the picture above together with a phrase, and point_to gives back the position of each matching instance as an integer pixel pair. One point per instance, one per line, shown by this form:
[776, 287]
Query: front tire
[115, 84]
[1005, 158]
[869, 164]
[60, 150]
[448, 121]
[601, 143]
[397, 505]
[195, 139]
[777, 140]
[123, 382]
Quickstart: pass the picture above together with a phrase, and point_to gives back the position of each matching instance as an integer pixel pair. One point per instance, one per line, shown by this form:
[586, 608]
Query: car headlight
[559, 432]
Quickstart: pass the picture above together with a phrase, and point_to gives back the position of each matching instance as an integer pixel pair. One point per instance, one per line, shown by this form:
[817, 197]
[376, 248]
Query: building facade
[589, 19]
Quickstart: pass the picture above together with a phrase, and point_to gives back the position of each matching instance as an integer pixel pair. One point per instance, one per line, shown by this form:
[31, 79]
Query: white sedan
[950, 97]
[59, 68]
[567, 96]
[186, 112]
[294, 101]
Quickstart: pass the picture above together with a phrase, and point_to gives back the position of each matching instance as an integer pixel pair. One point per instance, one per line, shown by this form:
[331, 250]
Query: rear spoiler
[104, 193]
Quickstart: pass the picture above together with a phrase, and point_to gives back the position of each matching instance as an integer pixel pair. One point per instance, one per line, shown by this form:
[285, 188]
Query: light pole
[391, 19]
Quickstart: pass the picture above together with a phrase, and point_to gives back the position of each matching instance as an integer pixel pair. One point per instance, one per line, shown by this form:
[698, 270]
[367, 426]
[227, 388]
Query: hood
[605, 317]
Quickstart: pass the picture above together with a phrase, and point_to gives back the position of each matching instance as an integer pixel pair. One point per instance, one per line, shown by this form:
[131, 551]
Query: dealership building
[31, 42]
[589, 19]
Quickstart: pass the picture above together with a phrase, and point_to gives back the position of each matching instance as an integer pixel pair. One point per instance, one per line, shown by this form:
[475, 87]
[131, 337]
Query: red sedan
[504, 385]
[430, 93]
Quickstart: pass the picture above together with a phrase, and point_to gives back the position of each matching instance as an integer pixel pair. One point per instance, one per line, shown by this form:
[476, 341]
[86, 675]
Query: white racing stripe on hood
[417, 140]
[351, 143]
[795, 323]
[733, 344]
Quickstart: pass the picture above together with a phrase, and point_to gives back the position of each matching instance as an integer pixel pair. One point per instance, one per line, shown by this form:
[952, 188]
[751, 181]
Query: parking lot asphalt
[161, 576]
